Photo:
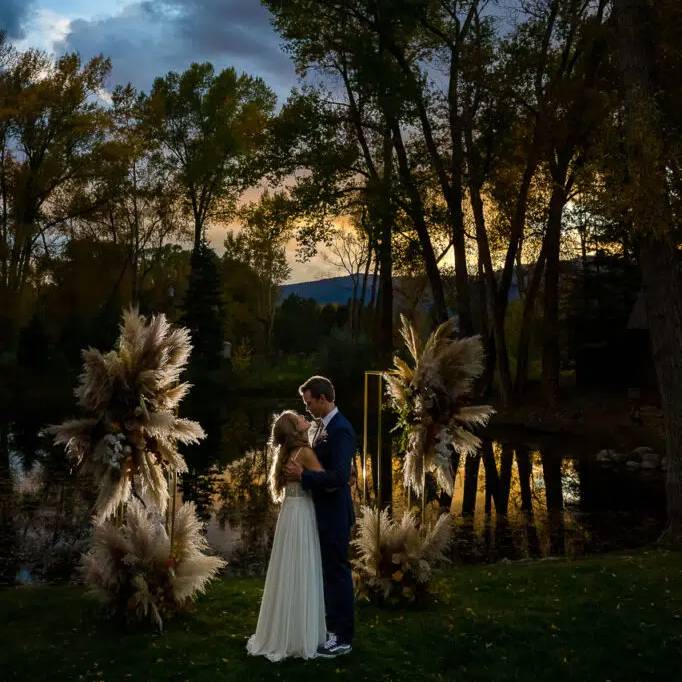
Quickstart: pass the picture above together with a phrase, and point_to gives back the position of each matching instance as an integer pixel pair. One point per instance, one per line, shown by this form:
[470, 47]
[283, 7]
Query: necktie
[318, 430]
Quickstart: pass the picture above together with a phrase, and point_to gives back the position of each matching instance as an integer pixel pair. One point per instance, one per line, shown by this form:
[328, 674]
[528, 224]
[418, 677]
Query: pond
[524, 496]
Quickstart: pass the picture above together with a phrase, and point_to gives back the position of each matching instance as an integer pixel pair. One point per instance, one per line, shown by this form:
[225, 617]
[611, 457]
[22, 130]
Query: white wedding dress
[291, 622]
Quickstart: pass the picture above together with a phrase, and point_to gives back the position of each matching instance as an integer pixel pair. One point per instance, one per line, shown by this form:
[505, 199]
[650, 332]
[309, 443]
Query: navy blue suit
[335, 517]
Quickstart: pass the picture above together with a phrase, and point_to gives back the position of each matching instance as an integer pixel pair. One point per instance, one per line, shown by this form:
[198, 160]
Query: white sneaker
[333, 648]
[324, 649]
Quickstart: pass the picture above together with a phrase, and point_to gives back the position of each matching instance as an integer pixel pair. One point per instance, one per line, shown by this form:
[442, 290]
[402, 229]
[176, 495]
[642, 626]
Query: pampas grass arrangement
[430, 398]
[395, 560]
[128, 440]
[140, 572]
[128, 443]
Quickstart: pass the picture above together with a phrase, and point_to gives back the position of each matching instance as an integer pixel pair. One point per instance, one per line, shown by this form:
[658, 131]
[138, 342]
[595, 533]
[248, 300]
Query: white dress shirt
[329, 417]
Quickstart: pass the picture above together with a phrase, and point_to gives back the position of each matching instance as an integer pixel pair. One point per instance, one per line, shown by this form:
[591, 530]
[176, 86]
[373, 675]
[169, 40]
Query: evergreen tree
[203, 307]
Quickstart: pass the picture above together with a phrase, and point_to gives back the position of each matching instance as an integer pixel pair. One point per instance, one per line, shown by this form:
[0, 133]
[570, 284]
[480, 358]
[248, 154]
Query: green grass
[612, 617]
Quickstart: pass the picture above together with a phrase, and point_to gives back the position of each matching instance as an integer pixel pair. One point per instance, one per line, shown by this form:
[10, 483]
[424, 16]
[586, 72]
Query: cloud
[45, 28]
[13, 16]
[146, 39]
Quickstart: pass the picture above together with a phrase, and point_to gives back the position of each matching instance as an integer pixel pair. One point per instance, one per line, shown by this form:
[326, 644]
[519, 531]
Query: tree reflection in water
[44, 510]
[515, 500]
[244, 513]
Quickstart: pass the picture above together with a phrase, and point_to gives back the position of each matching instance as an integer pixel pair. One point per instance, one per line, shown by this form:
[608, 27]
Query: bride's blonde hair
[285, 438]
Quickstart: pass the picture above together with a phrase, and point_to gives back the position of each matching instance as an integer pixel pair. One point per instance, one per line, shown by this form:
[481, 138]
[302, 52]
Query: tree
[261, 245]
[142, 209]
[203, 306]
[407, 30]
[363, 170]
[350, 250]
[210, 128]
[649, 57]
[51, 129]
[298, 326]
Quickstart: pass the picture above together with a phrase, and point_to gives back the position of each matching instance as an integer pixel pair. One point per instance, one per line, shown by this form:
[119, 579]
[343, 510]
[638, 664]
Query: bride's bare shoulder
[308, 458]
[306, 451]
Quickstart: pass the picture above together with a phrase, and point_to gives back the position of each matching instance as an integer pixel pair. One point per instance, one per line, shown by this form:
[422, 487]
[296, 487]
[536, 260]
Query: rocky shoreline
[640, 458]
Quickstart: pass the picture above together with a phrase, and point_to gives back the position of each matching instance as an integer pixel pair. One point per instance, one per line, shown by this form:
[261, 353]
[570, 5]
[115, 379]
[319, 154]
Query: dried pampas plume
[395, 560]
[138, 571]
[128, 441]
[430, 397]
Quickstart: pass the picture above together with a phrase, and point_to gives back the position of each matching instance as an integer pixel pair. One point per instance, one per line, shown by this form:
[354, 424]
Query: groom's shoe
[333, 648]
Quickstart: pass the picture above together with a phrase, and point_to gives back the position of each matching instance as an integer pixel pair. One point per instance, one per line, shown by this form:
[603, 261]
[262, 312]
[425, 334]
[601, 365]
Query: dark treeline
[484, 149]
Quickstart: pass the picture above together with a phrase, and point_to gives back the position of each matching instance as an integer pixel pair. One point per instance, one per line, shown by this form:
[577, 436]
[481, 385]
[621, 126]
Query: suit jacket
[330, 489]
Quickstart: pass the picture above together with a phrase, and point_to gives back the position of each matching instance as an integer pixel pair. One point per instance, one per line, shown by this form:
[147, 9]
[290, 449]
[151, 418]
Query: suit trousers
[338, 584]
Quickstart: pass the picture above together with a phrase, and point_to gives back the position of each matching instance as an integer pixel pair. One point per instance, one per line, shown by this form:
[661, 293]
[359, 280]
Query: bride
[291, 622]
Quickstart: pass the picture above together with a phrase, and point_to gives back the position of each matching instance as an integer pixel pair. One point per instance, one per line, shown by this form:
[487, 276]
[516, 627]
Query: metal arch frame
[365, 436]
[365, 441]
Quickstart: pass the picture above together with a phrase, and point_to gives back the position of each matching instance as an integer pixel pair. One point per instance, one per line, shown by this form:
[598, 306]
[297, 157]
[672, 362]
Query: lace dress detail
[294, 489]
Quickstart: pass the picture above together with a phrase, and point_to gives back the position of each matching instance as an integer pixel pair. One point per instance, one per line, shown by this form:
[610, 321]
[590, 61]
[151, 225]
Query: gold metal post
[379, 435]
[376, 474]
[365, 438]
[423, 489]
[174, 488]
[379, 455]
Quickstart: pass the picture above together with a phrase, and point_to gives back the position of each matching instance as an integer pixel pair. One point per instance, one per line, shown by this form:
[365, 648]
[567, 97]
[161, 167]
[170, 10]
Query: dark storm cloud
[240, 26]
[13, 14]
[147, 39]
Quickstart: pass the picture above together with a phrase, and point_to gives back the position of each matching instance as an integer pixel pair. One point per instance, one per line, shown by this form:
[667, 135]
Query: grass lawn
[611, 617]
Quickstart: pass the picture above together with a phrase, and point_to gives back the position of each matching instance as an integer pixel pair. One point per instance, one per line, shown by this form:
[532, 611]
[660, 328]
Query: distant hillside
[339, 289]
[331, 290]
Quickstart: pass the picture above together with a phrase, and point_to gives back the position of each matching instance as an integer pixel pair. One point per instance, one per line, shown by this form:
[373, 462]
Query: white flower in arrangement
[113, 449]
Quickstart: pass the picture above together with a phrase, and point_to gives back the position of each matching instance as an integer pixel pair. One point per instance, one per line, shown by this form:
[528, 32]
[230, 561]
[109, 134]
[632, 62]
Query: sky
[148, 38]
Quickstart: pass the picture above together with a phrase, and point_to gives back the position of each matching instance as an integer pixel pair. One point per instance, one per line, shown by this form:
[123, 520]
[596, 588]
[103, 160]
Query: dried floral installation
[430, 399]
[141, 572]
[394, 560]
[128, 443]
[129, 439]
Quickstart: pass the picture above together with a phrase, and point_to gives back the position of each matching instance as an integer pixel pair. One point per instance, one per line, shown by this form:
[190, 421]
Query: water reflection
[517, 499]
[44, 511]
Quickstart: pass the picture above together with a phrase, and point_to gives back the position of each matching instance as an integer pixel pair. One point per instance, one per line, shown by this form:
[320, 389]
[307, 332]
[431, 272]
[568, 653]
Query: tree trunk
[517, 226]
[471, 467]
[449, 179]
[659, 258]
[365, 277]
[660, 266]
[523, 348]
[417, 216]
[484, 383]
[466, 326]
[385, 318]
[506, 462]
[550, 319]
[495, 314]
[492, 478]
[525, 469]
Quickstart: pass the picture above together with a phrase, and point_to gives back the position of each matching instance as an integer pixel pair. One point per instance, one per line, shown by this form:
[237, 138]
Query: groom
[334, 444]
